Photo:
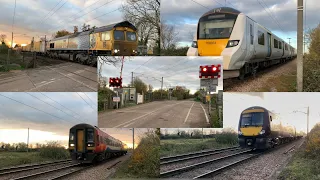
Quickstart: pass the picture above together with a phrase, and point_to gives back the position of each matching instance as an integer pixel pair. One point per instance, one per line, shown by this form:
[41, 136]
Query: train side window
[260, 38]
[270, 118]
[51, 45]
[105, 36]
[98, 142]
[286, 47]
[251, 34]
[280, 45]
[276, 45]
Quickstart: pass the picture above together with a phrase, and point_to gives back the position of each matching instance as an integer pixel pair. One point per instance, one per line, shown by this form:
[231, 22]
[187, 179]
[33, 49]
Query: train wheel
[242, 73]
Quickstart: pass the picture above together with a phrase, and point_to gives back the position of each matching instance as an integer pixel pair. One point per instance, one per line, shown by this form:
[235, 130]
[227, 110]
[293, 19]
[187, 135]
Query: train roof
[255, 107]
[83, 125]
[99, 29]
[222, 10]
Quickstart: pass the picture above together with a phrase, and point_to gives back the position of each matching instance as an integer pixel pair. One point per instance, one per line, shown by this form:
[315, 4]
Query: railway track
[194, 155]
[200, 168]
[51, 170]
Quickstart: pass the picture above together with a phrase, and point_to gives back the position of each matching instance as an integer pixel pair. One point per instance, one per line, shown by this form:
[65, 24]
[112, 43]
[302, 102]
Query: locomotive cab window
[71, 136]
[260, 38]
[51, 45]
[118, 35]
[131, 36]
[252, 119]
[216, 26]
[90, 135]
[105, 36]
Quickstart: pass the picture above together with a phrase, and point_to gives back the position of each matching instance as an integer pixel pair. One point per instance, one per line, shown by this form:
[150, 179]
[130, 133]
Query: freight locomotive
[245, 45]
[119, 39]
[88, 144]
[259, 129]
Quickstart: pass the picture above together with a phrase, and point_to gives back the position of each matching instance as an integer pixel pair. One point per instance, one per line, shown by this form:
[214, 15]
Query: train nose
[249, 142]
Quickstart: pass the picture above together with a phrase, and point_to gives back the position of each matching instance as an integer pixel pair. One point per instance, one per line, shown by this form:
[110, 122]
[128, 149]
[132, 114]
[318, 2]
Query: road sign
[208, 98]
[208, 82]
[116, 99]
[119, 90]
[212, 88]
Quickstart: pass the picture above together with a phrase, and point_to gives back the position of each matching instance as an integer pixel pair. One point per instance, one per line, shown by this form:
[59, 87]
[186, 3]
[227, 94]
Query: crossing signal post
[210, 71]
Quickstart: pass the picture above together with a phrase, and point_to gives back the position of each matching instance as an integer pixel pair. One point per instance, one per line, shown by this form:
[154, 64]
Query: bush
[54, 151]
[313, 144]
[227, 138]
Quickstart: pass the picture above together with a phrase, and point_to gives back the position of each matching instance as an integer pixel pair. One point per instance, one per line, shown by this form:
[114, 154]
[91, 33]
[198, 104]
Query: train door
[269, 44]
[80, 139]
[250, 39]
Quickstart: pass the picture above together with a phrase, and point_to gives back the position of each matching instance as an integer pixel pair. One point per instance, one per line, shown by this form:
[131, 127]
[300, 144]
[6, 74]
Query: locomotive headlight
[262, 132]
[90, 145]
[194, 44]
[232, 43]
[240, 133]
[116, 50]
[71, 145]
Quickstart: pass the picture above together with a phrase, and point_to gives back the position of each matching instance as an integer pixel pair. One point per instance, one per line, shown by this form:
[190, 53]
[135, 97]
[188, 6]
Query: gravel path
[262, 167]
[100, 172]
[175, 165]
[253, 85]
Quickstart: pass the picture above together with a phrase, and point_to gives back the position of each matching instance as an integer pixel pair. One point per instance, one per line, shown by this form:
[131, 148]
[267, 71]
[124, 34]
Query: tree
[314, 35]
[145, 15]
[140, 86]
[169, 37]
[61, 33]
[150, 88]
[75, 29]
[2, 38]
[17, 45]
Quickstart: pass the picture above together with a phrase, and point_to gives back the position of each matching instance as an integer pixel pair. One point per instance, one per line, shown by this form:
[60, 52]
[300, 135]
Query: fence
[16, 60]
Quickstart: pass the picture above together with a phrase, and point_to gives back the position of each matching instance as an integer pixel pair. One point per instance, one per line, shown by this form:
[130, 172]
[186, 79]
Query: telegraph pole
[28, 141]
[121, 67]
[132, 140]
[307, 123]
[300, 47]
[161, 86]
[45, 43]
[131, 78]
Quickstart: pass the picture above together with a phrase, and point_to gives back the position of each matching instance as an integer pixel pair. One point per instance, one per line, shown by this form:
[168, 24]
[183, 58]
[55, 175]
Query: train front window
[131, 36]
[252, 119]
[90, 135]
[215, 27]
[118, 35]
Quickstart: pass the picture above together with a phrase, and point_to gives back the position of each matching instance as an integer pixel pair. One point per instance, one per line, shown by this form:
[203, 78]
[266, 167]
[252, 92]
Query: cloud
[184, 14]
[176, 71]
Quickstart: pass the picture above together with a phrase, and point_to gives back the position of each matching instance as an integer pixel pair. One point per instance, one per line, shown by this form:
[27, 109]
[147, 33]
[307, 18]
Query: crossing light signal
[115, 82]
[210, 71]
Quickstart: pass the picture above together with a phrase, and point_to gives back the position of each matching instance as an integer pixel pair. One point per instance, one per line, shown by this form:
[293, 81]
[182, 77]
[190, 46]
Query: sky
[184, 14]
[48, 115]
[283, 104]
[176, 71]
[125, 134]
[37, 18]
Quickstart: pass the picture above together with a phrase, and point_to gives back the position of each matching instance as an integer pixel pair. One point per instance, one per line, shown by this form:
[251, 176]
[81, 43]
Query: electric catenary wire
[85, 101]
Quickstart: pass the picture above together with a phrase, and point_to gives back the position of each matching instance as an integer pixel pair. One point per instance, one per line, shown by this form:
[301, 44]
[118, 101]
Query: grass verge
[179, 146]
[284, 83]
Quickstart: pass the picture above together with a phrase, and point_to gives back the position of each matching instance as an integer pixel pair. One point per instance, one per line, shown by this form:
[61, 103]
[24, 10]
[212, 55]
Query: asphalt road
[158, 114]
[63, 77]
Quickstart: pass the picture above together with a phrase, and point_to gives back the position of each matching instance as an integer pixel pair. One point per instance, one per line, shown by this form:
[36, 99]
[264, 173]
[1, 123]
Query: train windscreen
[118, 35]
[71, 136]
[252, 119]
[216, 26]
[131, 36]
[90, 136]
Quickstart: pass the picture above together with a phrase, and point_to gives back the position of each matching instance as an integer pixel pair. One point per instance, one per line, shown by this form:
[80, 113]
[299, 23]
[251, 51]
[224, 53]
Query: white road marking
[188, 113]
[205, 114]
[143, 116]
[129, 124]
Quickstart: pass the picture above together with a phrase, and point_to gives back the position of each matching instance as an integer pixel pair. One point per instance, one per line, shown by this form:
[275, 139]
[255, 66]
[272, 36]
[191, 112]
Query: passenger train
[260, 129]
[245, 45]
[119, 39]
[88, 144]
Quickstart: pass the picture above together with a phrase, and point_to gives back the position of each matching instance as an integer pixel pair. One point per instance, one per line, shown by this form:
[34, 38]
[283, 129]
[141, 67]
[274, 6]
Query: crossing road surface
[158, 114]
[64, 77]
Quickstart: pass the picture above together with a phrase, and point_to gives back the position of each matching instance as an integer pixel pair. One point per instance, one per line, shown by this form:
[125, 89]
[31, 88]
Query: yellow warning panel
[208, 98]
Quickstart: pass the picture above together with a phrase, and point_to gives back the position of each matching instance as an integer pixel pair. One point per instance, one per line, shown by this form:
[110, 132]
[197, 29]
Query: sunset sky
[37, 18]
[48, 115]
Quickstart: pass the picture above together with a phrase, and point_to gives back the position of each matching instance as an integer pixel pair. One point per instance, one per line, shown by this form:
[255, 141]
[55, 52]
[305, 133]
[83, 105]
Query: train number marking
[217, 10]
[213, 42]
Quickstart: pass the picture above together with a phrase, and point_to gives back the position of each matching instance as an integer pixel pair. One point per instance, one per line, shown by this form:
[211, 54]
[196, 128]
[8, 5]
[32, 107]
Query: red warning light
[214, 68]
[204, 69]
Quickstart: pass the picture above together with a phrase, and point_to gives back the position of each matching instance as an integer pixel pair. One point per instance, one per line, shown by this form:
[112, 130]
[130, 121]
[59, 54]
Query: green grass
[301, 167]
[179, 146]
[284, 83]
[8, 159]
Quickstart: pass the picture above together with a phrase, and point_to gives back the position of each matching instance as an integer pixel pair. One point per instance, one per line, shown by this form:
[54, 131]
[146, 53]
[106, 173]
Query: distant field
[180, 146]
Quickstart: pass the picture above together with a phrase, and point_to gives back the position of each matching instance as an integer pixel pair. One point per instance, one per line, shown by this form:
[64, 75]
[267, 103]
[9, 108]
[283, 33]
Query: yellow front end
[251, 131]
[211, 47]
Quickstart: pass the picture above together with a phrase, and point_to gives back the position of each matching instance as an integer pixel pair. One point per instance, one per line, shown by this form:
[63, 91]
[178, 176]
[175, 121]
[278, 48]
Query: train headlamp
[116, 50]
[194, 44]
[240, 133]
[262, 132]
[90, 145]
[71, 145]
[232, 43]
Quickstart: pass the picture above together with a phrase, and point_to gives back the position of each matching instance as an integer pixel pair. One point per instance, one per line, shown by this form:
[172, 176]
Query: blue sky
[184, 14]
